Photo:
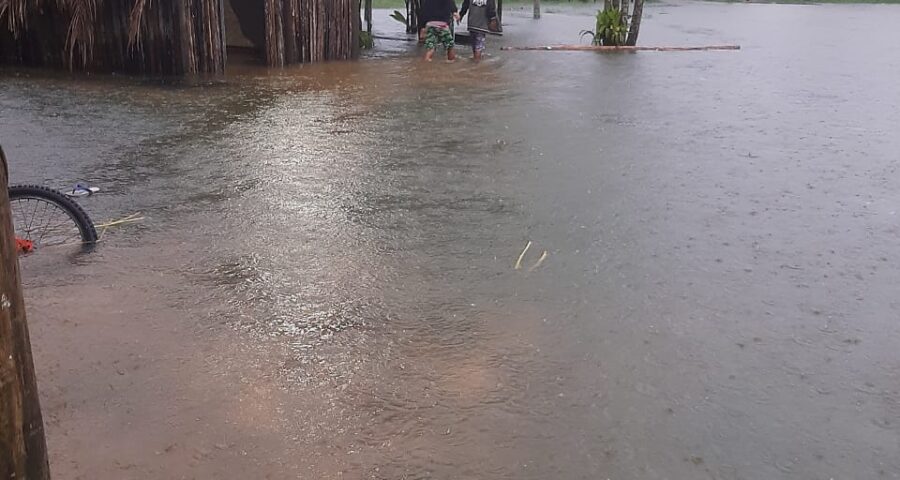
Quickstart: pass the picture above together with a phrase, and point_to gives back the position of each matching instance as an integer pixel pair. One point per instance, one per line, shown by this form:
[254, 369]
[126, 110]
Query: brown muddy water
[324, 284]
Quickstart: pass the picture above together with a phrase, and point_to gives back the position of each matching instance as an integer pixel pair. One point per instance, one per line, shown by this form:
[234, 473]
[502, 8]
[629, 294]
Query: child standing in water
[437, 15]
[482, 20]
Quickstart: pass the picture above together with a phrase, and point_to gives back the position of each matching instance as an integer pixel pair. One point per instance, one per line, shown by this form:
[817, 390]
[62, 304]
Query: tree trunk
[635, 26]
[537, 8]
[23, 450]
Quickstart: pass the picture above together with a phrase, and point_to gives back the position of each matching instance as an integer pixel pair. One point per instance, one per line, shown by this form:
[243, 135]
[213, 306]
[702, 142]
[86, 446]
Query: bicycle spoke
[37, 205]
[45, 223]
[25, 218]
[33, 219]
[44, 226]
[20, 213]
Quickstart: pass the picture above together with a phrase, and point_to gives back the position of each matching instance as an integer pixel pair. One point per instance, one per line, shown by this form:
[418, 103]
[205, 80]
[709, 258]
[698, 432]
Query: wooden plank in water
[610, 48]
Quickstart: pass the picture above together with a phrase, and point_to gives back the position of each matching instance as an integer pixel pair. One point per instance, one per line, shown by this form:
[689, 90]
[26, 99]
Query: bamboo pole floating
[539, 262]
[129, 219]
[134, 217]
[610, 48]
[522, 256]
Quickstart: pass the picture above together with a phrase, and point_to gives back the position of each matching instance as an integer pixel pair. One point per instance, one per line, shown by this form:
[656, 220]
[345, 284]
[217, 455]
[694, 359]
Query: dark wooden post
[274, 33]
[222, 42]
[413, 8]
[357, 27]
[23, 450]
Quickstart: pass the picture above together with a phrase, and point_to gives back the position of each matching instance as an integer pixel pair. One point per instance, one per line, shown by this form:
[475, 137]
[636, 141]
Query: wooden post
[614, 48]
[274, 33]
[357, 26]
[412, 17]
[221, 40]
[23, 450]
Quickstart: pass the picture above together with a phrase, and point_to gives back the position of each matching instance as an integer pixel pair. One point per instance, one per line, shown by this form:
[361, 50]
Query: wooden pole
[354, 39]
[23, 449]
[222, 42]
[274, 33]
[610, 48]
[412, 17]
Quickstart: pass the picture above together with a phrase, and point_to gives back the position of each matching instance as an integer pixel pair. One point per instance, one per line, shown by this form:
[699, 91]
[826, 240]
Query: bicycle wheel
[44, 217]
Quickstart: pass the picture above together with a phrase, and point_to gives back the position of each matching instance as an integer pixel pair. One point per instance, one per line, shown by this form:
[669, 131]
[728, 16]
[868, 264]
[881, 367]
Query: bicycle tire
[74, 211]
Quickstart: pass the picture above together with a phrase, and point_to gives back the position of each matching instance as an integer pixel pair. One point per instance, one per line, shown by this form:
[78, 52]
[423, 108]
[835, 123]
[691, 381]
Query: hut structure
[174, 37]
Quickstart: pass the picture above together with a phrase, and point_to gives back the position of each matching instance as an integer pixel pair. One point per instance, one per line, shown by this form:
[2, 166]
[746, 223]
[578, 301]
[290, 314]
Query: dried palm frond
[15, 11]
[81, 29]
[135, 21]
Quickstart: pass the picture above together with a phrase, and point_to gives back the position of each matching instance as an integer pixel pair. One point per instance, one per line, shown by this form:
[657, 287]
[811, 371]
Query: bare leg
[451, 55]
[429, 55]
[476, 55]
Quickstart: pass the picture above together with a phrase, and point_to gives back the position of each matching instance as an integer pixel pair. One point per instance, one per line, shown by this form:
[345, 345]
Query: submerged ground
[324, 284]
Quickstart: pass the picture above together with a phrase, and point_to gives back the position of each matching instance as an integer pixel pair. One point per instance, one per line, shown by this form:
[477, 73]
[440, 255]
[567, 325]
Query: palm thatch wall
[299, 31]
[169, 37]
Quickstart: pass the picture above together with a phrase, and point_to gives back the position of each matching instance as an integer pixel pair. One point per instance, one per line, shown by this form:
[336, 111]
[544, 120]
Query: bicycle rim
[44, 223]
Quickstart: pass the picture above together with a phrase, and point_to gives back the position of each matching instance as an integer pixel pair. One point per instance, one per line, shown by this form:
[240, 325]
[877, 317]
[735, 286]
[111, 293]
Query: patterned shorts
[433, 35]
[477, 41]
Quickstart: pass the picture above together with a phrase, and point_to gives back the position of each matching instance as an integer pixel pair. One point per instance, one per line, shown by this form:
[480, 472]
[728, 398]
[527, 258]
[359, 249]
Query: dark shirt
[436, 11]
[481, 12]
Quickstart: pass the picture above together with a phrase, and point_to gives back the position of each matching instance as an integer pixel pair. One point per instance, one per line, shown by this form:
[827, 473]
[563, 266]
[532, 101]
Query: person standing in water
[482, 20]
[437, 15]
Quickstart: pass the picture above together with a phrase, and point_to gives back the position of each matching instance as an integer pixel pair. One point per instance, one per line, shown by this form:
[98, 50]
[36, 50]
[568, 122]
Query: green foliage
[366, 42]
[398, 16]
[611, 28]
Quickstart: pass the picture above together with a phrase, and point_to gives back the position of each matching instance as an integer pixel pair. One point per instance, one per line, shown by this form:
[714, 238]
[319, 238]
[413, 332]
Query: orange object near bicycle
[24, 246]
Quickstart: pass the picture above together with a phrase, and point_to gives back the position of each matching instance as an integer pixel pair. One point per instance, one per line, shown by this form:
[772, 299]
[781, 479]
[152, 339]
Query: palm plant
[398, 16]
[611, 28]
[614, 26]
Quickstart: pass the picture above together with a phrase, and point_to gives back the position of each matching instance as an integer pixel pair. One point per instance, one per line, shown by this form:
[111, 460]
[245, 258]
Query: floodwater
[323, 285]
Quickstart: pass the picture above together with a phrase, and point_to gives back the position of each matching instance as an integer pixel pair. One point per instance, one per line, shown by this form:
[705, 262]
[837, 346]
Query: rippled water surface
[324, 284]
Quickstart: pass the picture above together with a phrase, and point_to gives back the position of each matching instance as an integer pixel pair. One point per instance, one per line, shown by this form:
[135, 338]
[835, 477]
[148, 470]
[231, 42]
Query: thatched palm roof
[168, 36]
[150, 36]
[81, 23]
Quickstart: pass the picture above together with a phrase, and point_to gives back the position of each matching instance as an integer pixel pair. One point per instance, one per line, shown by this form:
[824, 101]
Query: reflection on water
[325, 277]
